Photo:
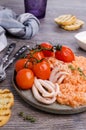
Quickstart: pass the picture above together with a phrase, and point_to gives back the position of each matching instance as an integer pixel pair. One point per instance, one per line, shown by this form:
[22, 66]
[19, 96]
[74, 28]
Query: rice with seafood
[73, 87]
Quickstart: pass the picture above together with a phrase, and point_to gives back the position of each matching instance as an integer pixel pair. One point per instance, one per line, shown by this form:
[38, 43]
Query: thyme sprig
[81, 72]
[78, 69]
[71, 67]
[26, 117]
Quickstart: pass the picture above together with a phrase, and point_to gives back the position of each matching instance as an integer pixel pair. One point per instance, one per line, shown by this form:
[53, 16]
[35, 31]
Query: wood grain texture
[49, 31]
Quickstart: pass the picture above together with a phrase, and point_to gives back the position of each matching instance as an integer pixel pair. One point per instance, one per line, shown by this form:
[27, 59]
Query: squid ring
[45, 91]
[44, 88]
[41, 99]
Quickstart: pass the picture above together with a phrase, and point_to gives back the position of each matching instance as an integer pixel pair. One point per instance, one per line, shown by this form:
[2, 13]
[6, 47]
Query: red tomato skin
[38, 55]
[25, 79]
[20, 64]
[42, 70]
[46, 45]
[65, 54]
[47, 53]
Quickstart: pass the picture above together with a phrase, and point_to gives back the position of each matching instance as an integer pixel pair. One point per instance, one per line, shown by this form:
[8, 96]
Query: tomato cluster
[35, 63]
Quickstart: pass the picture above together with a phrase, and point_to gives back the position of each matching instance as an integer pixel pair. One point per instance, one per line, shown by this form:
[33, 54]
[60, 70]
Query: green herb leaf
[26, 117]
[81, 72]
[21, 114]
[71, 67]
[31, 119]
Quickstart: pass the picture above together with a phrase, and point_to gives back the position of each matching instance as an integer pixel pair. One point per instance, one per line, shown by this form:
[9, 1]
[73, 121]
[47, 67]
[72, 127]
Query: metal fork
[10, 61]
[5, 58]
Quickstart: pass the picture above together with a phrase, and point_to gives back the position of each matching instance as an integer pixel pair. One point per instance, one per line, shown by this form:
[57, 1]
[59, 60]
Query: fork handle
[20, 52]
[16, 55]
[9, 50]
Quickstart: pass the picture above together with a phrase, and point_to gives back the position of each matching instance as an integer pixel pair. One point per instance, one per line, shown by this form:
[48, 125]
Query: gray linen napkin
[23, 26]
[3, 40]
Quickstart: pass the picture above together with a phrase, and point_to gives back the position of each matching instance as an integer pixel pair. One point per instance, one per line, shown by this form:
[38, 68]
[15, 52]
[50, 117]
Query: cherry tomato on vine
[64, 53]
[42, 70]
[34, 54]
[48, 49]
[25, 79]
[22, 63]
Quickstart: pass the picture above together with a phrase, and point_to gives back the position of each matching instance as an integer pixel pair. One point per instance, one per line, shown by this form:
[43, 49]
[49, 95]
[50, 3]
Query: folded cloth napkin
[23, 26]
[3, 40]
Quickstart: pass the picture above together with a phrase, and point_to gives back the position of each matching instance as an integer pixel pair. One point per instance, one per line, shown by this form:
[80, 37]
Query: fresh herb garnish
[29, 118]
[81, 72]
[71, 67]
[26, 117]
[78, 69]
[21, 114]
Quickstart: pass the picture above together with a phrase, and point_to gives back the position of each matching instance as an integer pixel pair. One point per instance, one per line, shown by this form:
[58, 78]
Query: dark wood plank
[49, 31]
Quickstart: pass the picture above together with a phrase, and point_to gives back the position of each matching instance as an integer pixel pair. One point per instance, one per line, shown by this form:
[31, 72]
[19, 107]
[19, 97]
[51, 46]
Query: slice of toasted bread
[6, 99]
[67, 19]
[4, 116]
[6, 102]
[74, 26]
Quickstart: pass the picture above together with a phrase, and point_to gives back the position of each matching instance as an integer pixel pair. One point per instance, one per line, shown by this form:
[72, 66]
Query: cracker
[6, 102]
[2, 91]
[67, 19]
[4, 116]
[74, 26]
[6, 99]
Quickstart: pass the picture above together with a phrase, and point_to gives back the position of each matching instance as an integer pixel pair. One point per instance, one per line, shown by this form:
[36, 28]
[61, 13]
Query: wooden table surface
[49, 31]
